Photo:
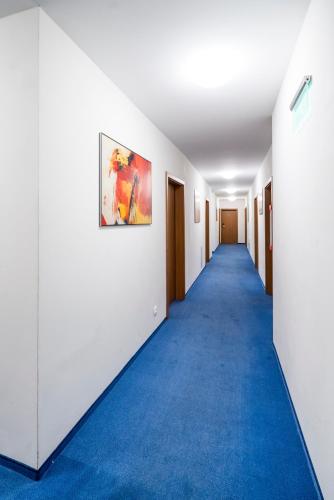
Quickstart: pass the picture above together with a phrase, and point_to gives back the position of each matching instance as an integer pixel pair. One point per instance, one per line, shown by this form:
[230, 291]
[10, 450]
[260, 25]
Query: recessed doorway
[228, 225]
[246, 226]
[256, 233]
[175, 240]
[268, 238]
[207, 231]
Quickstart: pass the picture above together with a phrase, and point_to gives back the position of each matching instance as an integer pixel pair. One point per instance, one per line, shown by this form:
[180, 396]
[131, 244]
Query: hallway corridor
[202, 412]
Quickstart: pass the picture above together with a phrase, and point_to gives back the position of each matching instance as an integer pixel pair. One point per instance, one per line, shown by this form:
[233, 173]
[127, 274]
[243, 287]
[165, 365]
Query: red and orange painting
[125, 185]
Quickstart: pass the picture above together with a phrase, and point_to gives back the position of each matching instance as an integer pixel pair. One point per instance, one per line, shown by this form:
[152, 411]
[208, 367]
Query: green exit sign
[302, 106]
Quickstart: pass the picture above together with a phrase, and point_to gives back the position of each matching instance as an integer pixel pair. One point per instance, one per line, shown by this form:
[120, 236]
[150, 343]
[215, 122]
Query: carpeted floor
[202, 412]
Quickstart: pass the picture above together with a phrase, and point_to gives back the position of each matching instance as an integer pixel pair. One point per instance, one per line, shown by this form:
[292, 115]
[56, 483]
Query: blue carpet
[202, 413]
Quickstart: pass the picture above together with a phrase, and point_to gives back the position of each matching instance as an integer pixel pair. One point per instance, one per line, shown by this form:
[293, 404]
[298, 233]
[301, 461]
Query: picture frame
[197, 207]
[125, 185]
[260, 201]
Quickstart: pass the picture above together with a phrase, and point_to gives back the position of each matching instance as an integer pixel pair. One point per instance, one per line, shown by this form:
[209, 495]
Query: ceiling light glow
[232, 198]
[229, 174]
[213, 67]
[231, 190]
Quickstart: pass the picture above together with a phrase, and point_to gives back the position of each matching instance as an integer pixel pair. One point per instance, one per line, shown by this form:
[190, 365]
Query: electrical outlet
[155, 310]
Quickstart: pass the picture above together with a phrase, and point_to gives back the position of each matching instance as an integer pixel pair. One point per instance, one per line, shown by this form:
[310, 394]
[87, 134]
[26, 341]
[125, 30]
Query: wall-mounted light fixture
[307, 80]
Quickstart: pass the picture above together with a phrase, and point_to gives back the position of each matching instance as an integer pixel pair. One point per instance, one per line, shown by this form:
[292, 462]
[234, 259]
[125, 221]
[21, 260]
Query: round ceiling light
[229, 174]
[213, 67]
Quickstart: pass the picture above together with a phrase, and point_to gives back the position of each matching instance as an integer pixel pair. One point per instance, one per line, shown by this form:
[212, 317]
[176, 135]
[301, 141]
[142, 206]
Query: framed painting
[197, 206]
[125, 185]
[260, 202]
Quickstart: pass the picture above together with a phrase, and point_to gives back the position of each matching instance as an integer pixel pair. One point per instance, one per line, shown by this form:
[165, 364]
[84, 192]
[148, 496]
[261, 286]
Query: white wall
[196, 232]
[76, 300]
[97, 286]
[240, 204]
[19, 235]
[303, 170]
[261, 180]
[214, 221]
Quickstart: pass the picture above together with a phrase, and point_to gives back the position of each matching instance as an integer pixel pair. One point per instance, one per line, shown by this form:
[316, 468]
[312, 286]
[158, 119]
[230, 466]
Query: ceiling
[8, 7]
[144, 46]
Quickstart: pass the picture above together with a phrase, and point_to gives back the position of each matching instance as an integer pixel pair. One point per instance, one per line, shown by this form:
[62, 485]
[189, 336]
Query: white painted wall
[97, 286]
[240, 204]
[214, 219]
[19, 235]
[195, 233]
[304, 240]
[261, 180]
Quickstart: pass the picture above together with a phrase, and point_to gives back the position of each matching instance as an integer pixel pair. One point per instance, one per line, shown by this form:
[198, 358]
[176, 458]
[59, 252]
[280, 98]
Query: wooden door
[207, 231]
[175, 241]
[256, 234]
[268, 238]
[246, 226]
[229, 225]
[171, 264]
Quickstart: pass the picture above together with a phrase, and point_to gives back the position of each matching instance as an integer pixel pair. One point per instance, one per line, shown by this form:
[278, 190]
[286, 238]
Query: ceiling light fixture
[213, 67]
[229, 174]
[232, 198]
[231, 190]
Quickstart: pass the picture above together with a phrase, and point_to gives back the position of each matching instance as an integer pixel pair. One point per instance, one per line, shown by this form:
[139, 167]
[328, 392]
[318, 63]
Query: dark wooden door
[207, 231]
[175, 241]
[171, 244]
[229, 225]
[268, 239]
[256, 234]
[246, 226]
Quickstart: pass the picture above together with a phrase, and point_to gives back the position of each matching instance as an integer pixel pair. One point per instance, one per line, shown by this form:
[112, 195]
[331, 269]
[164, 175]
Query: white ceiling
[8, 7]
[143, 46]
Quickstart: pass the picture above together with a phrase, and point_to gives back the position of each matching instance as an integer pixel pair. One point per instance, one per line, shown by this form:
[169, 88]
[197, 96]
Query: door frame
[268, 230]
[180, 279]
[246, 226]
[256, 233]
[221, 210]
[219, 226]
[207, 230]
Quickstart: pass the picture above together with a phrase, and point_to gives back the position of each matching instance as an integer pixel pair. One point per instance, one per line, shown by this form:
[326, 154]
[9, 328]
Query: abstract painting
[260, 202]
[125, 185]
[197, 206]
